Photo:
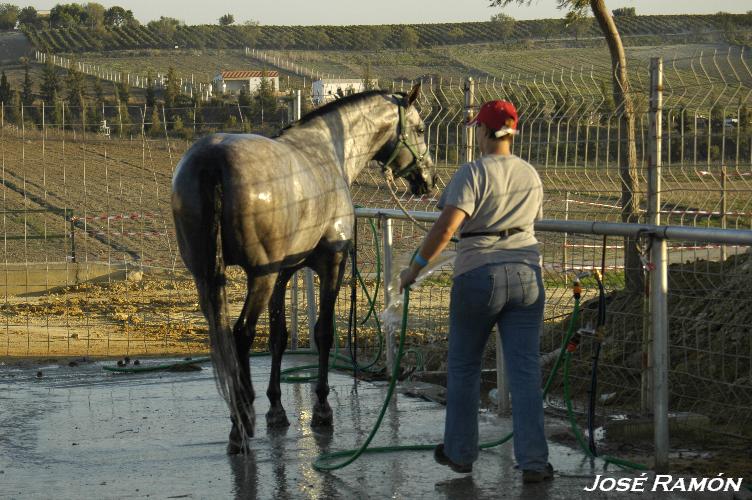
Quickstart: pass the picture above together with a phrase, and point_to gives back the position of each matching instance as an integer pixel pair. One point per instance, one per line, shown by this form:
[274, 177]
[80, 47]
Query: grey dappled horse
[273, 206]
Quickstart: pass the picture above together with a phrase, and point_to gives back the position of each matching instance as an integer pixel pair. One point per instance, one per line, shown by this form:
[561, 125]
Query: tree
[58, 110]
[27, 88]
[123, 91]
[28, 17]
[117, 17]
[8, 16]
[165, 26]
[98, 91]
[577, 25]
[177, 123]
[504, 24]
[226, 20]
[94, 116]
[371, 37]
[408, 38]
[630, 200]
[172, 90]
[74, 83]
[151, 97]
[67, 15]
[5, 93]
[94, 15]
[368, 78]
[320, 38]
[264, 104]
[244, 97]
[156, 123]
[625, 12]
[249, 33]
[124, 124]
[51, 85]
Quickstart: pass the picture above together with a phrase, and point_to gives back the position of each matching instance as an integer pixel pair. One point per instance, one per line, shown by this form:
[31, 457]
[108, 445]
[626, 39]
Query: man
[497, 280]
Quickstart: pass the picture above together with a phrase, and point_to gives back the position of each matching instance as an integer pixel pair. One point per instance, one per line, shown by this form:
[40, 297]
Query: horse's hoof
[322, 417]
[277, 419]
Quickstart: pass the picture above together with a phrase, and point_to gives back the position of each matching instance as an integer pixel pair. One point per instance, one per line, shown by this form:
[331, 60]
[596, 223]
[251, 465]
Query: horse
[273, 206]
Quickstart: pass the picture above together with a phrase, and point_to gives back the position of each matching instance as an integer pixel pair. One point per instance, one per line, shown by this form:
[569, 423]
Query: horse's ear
[413, 95]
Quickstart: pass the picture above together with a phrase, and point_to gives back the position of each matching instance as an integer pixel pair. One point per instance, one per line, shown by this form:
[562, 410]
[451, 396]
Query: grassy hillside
[456, 62]
[82, 39]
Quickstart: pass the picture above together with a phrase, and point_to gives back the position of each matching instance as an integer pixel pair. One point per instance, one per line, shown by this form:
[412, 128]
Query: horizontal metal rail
[682, 233]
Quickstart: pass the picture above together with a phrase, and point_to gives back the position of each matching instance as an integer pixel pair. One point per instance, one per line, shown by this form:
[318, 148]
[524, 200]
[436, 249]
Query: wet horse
[273, 206]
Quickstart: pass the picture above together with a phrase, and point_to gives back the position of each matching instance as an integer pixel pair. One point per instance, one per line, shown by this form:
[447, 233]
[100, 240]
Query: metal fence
[123, 290]
[650, 365]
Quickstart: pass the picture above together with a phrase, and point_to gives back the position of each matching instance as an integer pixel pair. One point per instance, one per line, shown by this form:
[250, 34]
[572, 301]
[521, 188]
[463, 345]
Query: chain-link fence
[90, 263]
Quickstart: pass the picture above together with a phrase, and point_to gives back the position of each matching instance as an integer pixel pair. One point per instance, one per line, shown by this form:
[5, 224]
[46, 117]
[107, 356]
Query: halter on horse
[273, 206]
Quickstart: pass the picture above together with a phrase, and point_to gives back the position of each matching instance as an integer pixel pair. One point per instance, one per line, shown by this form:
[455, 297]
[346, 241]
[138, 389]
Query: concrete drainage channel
[80, 431]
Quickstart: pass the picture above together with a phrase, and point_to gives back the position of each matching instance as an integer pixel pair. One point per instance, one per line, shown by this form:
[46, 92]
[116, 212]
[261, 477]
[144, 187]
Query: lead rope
[389, 178]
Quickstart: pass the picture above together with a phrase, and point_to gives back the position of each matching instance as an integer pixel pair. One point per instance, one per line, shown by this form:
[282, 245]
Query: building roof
[329, 81]
[244, 75]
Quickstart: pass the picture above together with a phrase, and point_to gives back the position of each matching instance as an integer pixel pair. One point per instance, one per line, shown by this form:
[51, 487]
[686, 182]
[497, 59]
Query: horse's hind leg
[244, 331]
[276, 417]
[331, 273]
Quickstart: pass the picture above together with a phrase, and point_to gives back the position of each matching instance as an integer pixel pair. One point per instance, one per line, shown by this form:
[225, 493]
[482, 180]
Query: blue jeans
[511, 296]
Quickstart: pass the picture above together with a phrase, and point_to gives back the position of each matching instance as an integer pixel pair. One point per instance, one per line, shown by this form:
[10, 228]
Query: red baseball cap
[500, 116]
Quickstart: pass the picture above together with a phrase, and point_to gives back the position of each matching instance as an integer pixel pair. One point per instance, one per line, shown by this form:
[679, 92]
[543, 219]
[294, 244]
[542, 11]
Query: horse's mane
[333, 106]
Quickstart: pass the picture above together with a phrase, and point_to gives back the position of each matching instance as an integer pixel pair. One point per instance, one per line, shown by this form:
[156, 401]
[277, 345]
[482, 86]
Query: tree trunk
[630, 196]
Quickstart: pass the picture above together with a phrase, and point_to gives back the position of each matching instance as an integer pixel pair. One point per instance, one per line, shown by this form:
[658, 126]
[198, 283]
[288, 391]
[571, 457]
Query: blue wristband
[420, 260]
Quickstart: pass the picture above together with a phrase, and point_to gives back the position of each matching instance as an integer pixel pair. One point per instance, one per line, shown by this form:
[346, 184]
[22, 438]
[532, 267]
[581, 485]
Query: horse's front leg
[276, 416]
[331, 280]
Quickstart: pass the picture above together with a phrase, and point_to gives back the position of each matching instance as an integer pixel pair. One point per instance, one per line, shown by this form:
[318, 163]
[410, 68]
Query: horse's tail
[199, 229]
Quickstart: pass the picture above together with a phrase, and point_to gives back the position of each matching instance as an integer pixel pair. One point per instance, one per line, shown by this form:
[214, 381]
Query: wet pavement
[82, 432]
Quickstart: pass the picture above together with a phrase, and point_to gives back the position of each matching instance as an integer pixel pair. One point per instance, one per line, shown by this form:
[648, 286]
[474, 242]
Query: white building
[325, 90]
[230, 82]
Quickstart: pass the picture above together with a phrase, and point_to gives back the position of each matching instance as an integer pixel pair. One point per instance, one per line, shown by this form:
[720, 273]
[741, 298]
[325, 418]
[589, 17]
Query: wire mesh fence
[90, 263]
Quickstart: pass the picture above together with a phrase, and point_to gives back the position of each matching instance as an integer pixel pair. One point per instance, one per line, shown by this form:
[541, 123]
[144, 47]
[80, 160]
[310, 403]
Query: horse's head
[406, 153]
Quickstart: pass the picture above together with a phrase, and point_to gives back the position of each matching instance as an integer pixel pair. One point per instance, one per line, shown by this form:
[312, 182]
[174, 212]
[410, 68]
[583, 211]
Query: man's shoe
[440, 457]
[538, 476]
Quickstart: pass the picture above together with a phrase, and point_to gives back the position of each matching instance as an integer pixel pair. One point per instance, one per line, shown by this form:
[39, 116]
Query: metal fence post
[468, 133]
[294, 313]
[654, 216]
[386, 236]
[504, 405]
[294, 114]
[659, 323]
[311, 303]
[724, 208]
[654, 158]
[565, 250]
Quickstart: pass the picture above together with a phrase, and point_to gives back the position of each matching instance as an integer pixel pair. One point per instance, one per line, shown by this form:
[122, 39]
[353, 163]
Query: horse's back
[277, 205]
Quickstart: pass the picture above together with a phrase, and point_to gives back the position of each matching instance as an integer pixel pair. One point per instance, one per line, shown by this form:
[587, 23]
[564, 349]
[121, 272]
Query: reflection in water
[539, 490]
[397, 474]
[355, 410]
[245, 474]
[460, 488]
[277, 441]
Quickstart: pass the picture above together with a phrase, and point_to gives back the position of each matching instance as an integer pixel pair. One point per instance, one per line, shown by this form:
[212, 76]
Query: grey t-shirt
[497, 192]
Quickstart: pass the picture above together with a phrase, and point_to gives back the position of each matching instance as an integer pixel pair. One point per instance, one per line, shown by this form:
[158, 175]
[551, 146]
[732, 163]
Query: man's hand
[407, 278]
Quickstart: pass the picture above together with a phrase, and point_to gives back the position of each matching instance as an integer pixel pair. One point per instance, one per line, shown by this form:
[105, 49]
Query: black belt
[501, 234]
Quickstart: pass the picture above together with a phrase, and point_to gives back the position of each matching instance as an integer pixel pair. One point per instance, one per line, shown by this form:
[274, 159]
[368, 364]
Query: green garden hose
[322, 463]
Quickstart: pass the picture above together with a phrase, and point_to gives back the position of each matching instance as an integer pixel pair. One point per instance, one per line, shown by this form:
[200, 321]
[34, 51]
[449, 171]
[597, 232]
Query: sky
[292, 12]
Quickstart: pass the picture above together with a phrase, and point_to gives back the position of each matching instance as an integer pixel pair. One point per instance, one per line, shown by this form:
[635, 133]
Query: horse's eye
[421, 129]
